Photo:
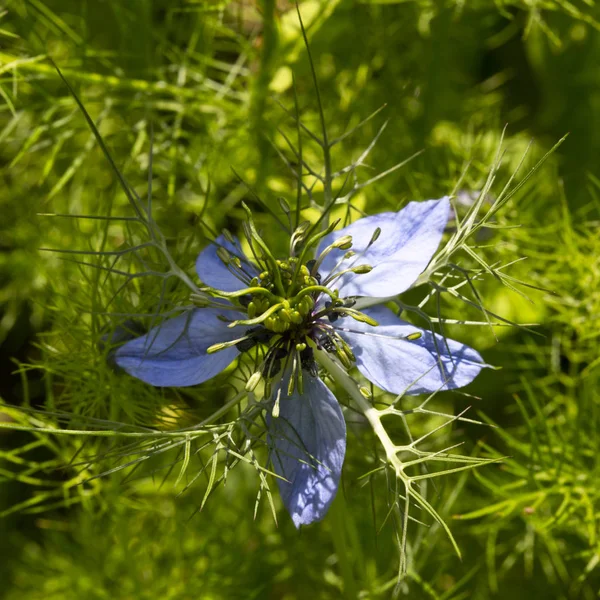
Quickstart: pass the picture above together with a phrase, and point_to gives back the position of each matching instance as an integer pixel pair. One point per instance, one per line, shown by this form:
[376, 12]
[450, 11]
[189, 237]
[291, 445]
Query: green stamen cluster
[280, 305]
[292, 310]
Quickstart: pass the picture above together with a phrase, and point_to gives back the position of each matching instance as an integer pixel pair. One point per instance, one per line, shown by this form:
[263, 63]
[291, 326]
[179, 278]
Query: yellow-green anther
[343, 243]
[200, 300]
[275, 412]
[347, 350]
[362, 269]
[223, 255]
[253, 381]
[224, 345]
[349, 254]
[228, 236]
[375, 236]
[277, 323]
[296, 317]
[359, 316]
[291, 382]
[414, 336]
[344, 358]
[300, 347]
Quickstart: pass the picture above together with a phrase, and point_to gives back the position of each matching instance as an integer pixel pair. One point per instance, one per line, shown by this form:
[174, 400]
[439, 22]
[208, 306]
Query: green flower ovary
[295, 308]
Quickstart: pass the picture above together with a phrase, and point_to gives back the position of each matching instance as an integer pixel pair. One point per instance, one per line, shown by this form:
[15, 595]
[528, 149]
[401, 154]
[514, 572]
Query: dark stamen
[307, 360]
[245, 300]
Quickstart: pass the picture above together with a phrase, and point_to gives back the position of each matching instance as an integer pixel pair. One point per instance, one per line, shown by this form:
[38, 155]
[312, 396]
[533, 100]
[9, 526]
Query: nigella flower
[297, 308]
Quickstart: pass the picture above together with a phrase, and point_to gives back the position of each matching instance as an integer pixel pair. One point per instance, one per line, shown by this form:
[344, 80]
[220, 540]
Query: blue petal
[174, 353]
[308, 444]
[396, 365]
[408, 240]
[214, 273]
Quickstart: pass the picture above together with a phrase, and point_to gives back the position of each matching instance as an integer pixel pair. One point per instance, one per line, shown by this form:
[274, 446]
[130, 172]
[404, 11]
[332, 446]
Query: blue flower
[297, 306]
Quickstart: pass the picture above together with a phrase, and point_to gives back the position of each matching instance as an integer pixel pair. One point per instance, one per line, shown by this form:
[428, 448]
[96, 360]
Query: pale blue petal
[214, 273]
[398, 365]
[308, 444]
[408, 240]
[174, 353]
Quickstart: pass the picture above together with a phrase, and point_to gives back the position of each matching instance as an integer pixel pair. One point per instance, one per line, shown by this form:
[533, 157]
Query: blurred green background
[208, 77]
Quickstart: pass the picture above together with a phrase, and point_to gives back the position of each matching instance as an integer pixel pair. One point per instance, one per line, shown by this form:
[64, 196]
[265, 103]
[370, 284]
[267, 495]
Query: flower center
[283, 313]
[289, 309]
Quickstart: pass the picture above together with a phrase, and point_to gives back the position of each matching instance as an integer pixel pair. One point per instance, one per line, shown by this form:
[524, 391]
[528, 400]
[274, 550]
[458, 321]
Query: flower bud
[285, 207]
[361, 317]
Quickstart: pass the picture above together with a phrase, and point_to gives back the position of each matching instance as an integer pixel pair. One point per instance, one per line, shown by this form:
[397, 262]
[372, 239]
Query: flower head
[300, 306]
